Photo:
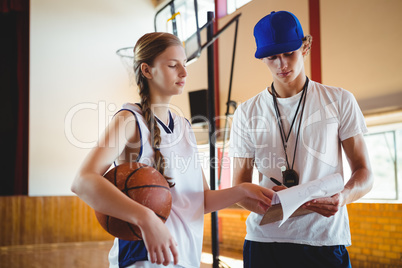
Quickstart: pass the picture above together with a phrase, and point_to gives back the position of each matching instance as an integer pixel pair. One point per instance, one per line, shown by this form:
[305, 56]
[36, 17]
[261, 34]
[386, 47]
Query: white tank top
[186, 219]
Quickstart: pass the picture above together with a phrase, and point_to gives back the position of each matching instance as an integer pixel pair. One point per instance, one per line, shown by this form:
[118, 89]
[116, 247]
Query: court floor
[84, 255]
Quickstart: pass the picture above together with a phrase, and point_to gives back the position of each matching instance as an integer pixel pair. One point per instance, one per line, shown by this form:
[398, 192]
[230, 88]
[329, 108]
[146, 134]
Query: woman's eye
[172, 66]
[289, 53]
[272, 58]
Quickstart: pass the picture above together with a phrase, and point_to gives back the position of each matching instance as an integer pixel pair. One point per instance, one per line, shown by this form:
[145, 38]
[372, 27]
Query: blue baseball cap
[276, 33]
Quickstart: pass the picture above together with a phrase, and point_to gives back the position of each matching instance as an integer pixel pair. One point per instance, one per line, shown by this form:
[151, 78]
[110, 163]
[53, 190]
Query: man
[294, 131]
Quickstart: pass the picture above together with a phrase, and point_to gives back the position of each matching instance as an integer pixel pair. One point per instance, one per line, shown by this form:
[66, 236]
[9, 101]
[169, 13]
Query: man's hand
[358, 185]
[327, 206]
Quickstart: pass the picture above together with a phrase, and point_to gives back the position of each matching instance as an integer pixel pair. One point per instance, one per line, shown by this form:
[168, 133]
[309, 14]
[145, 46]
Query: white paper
[292, 198]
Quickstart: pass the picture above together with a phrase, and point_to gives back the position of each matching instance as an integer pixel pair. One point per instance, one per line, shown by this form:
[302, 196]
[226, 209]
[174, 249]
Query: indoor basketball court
[73, 64]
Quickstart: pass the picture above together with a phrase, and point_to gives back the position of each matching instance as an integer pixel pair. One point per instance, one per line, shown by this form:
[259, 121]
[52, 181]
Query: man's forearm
[360, 183]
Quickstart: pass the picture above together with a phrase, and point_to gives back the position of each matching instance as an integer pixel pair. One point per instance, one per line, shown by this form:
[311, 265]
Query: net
[183, 18]
[126, 55]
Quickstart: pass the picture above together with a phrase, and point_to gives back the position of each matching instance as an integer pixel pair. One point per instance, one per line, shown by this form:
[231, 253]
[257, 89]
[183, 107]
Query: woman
[150, 133]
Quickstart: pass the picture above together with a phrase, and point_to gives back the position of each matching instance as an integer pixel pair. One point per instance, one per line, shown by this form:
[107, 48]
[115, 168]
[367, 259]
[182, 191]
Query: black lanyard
[290, 174]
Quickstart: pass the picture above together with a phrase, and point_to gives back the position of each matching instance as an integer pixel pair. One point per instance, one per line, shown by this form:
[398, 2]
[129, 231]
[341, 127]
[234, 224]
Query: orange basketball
[143, 184]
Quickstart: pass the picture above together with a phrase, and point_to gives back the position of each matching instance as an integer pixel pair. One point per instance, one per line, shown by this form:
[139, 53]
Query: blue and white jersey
[186, 220]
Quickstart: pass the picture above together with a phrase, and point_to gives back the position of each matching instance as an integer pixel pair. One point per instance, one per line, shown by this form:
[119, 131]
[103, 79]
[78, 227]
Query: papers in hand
[287, 202]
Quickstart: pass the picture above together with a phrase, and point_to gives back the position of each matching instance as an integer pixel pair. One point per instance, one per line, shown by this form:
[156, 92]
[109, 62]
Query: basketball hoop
[185, 19]
[126, 55]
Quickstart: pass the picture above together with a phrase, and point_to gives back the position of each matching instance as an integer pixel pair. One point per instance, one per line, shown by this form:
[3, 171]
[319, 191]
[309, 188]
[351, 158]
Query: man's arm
[361, 181]
[359, 184]
[243, 172]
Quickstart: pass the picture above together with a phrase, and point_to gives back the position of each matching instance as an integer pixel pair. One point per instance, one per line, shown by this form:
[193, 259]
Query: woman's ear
[146, 71]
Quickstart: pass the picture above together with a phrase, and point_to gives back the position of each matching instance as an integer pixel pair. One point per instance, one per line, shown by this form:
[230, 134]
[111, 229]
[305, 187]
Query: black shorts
[286, 255]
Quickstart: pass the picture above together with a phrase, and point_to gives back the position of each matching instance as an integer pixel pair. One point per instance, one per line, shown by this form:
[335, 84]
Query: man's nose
[283, 64]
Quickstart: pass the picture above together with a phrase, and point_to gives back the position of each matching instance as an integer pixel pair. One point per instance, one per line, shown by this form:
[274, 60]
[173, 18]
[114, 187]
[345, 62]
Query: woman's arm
[243, 173]
[242, 192]
[90, 185]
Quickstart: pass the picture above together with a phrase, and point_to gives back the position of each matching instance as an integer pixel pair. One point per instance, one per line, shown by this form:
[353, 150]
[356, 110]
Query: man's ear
[306, 49]
[306, 46]
[146, 70]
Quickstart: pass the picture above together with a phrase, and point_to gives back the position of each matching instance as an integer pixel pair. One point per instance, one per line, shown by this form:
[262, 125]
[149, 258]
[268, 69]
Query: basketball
[143, 184]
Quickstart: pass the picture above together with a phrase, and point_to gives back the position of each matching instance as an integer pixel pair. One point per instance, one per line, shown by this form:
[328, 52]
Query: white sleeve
[351, 118]
[241, 143]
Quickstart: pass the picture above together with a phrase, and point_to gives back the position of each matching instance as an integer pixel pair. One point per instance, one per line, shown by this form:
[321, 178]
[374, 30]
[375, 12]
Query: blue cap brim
[270, 50]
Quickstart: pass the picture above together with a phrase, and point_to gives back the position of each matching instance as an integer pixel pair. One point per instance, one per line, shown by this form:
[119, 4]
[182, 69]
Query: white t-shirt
[186, 219]
[331, 115]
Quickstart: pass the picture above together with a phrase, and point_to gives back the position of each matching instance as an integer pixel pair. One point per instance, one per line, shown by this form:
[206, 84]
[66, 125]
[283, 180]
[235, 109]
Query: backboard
[185, 19]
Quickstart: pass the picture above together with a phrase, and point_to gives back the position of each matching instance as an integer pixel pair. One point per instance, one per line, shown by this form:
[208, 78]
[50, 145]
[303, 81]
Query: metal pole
[216, 36]
[212, 138]
[228, 103]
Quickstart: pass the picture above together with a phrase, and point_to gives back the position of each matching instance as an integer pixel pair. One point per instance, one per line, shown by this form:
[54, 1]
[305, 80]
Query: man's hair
[307, 41]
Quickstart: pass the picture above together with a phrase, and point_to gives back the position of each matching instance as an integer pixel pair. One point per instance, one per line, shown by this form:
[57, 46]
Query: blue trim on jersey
[171, 122]
[131, 251]
[139, 130]
[168, 129]
[188, 122]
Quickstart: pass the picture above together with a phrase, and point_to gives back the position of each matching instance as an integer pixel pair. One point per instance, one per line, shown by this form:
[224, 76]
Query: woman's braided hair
[147, 48]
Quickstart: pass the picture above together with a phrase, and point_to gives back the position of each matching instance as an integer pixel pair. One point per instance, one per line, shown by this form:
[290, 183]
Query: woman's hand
[158, 240]
[261, 194]
[279, 188]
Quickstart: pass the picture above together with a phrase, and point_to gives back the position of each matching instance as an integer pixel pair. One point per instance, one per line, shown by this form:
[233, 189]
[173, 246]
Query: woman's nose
[183, 71]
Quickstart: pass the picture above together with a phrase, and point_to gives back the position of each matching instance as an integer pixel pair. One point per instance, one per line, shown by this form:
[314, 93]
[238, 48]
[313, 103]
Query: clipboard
[275, 214]
[287, 203]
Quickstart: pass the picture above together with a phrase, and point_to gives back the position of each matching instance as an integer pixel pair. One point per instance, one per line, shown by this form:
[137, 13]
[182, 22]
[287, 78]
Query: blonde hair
[147, 48]
[307, 41]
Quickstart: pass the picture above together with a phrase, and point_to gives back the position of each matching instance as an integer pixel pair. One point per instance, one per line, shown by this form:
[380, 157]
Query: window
[382, 148]
[384, 145]
[232, 5]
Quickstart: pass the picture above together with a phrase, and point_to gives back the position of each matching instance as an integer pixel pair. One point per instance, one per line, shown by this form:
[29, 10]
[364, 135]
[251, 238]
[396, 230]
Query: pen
[276, 182]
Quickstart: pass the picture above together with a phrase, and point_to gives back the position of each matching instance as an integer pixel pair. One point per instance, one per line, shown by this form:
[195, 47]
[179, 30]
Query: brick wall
[29, 220]
[232, 229]
[376, 233]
